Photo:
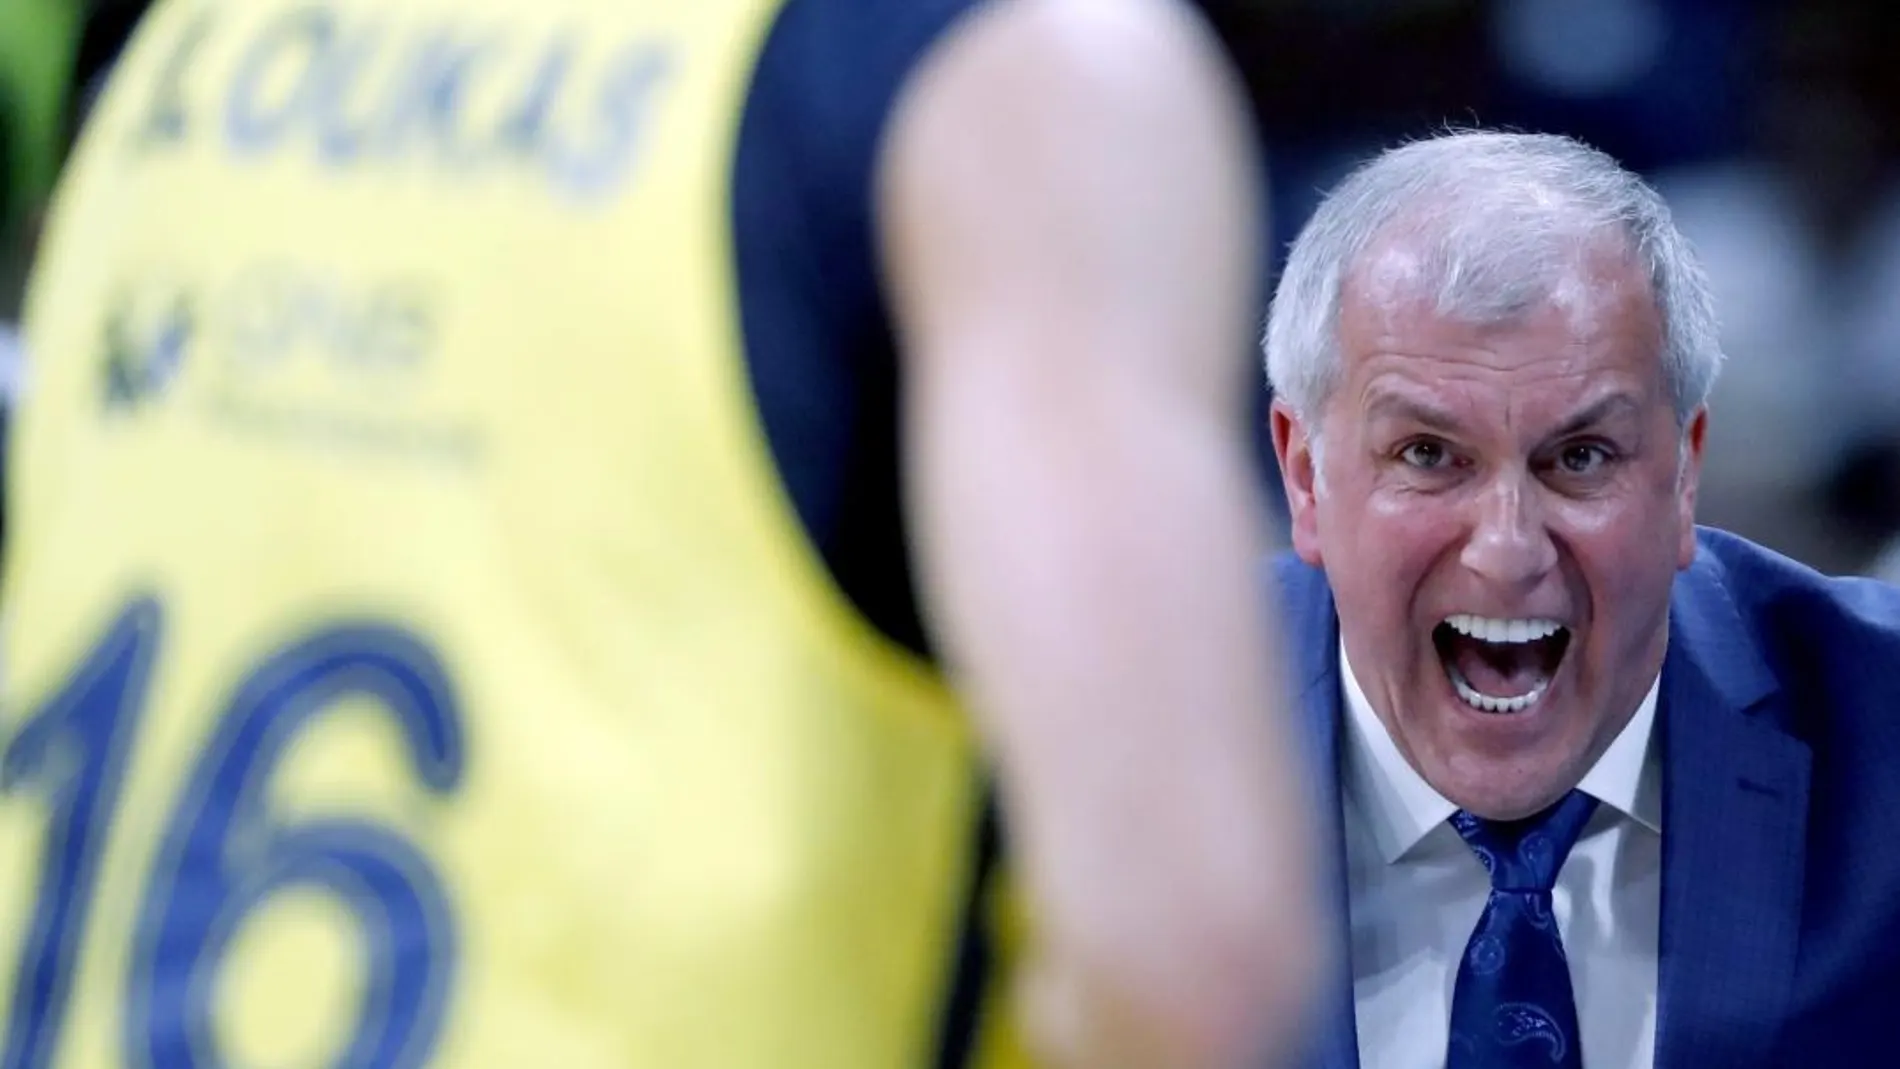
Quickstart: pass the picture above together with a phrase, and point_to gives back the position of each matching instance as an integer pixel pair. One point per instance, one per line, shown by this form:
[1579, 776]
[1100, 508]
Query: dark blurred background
[1772, 127]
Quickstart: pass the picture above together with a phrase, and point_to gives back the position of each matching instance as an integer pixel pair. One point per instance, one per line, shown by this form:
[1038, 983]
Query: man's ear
[1688, 481]
[1299, 473]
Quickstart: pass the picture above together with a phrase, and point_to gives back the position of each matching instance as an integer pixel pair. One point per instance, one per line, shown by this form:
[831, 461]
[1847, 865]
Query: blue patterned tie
[1513, 1007]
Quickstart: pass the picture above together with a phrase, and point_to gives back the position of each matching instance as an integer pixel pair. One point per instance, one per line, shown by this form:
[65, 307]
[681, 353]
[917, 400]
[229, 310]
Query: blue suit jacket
[1779, 720]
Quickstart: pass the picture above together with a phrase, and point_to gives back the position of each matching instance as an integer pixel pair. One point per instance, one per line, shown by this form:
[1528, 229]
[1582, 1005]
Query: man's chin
[1488, 803]
[1503, 766]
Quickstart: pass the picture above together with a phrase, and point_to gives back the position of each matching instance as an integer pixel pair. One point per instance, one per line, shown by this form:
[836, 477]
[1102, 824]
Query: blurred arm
[1068, 206]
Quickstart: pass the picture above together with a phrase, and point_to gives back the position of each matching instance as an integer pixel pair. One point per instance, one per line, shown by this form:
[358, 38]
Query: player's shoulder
[834, 78]
[1029, 96]
[828, 76]
[863, 40]
[1106, 46]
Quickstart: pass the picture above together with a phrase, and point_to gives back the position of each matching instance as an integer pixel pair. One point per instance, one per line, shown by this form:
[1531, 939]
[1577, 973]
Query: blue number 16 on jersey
[224, 852]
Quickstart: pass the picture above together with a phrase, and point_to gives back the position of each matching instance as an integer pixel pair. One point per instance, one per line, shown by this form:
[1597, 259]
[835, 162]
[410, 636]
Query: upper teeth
[1489, 629]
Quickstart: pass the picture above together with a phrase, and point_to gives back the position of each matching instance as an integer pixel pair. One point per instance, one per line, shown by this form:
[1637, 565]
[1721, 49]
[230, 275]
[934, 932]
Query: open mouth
[1499, 665]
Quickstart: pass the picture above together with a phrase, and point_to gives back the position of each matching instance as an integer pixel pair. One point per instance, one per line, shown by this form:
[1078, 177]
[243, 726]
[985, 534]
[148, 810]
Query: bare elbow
[1253, 1012]
[1233, 994]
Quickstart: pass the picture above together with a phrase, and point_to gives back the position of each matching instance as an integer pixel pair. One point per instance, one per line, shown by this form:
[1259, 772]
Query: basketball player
[479, 460]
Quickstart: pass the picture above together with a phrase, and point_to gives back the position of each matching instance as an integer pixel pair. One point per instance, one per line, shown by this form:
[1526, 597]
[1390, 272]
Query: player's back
[414, 656]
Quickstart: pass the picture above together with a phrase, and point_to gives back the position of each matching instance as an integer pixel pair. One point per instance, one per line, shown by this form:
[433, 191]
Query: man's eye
[1426, 455]
[1583, 459]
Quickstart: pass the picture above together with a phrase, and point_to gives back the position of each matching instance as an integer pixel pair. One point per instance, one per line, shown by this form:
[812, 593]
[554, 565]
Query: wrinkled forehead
[1484, 271]
[1553, 338]
[1585, 291]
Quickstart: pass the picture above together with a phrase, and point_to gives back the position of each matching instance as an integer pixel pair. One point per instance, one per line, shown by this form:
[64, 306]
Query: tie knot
[1526, 855]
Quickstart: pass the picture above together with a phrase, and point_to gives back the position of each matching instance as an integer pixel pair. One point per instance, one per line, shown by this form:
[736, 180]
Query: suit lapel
[1735, 799]
[1313, 633]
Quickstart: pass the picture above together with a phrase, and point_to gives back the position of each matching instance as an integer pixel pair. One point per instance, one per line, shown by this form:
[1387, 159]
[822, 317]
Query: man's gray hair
[1498, 222]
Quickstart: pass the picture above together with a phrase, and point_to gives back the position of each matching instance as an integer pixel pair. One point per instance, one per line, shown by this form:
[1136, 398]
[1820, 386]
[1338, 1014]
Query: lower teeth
[1489, 704]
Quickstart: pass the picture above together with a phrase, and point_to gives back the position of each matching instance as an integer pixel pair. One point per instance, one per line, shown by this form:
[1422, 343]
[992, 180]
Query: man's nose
[1509, 543]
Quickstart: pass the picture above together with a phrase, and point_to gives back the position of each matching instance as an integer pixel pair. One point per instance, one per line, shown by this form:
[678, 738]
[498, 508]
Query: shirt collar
[1402, 808]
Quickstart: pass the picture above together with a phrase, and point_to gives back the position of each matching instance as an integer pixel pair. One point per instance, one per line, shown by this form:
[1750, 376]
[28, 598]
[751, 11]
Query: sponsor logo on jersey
[293, 353]
[147, 337]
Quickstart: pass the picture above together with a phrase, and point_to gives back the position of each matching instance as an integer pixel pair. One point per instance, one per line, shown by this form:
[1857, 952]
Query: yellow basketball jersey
[412, 660]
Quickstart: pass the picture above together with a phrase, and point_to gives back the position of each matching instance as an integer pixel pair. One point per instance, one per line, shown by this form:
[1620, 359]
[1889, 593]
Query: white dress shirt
[1417, 891]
